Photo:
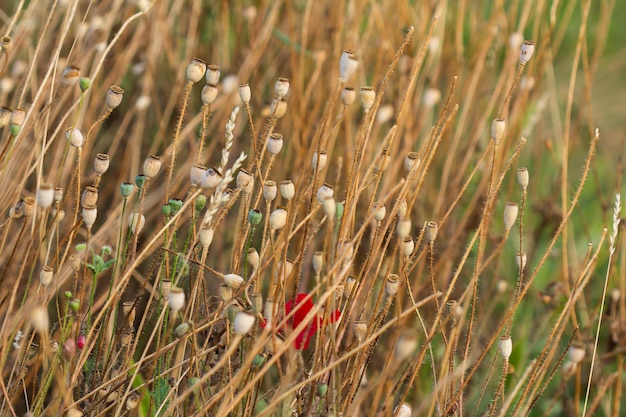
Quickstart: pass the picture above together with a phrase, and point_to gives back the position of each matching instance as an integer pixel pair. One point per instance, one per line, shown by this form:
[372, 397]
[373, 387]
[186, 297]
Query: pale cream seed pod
[320, 159]
[245, 181]
[89, 214]
[58, 194]
[403, 228]
[40, 320]
[287, 189]
[281, 88]
[101, 163]
[498, 128]
[403, 410]
[136, 222]
[166, 288]
[176, 299]
[234, 281]
[523, 177]
[324, 192]
[405, 347]
[411, 161]
[70, 76]
[348, 95]
[6, 44]
[576, 353]
[89, 196]
[45, 195]
[569, 369]
[243, 323]
[278, 218]
[348, 65]
[196, 174]
[132, 401]
[282, 273]
[330, 208]
[74, 412]
[526, 51]
[18, 116]
[511, 211]
[245, 94]
[75, 137]
[367, 97]
[213, 74]
[226, 293]
[196, 70]
[253, 258]
[29, 206]
[318, 261]
[392, 284]
[520, 259]
[205, 236]
[431, 97]
[278, 107]
[275, 143]
[211, 178]
[502, 286]
[46, 275]
[230, 84]
[270, 190]
[403, 207]
[209, 93]
[114, 97]
[379, 211]
[505, 346]
[152, 166]
[432, 229]
[408, 245]
[515, 41]
[384, 113]
[360, 330]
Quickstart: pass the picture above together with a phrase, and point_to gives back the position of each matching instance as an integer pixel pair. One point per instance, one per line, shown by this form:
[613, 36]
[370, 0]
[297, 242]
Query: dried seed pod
[243, 323]
[348, 95]
[211, 178]
[213, 74]
[526, 51]
[506, 347]
[75, 137]
[176, 299]
[392, 284]
[114, 97]
[432, 229]
[45, 195]
[89, 214]
[403, 228]
[281, 88]
[152, 166]
[270, 190]
[275, 143]
[367, 97]
[347, 65]
[196, 70]
[278, 218]
[523, 177]
[498, 128]
[511, 211]
[209, 93]
[196, 174]
[234, 281]
[244, 93]
[101, 163]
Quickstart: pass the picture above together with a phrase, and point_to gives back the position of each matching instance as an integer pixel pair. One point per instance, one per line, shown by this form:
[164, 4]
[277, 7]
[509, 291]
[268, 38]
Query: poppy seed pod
[392, 284]
[17, 117]
[226, 293]
[498, 127]
[520, 259]
[40, 320]
[253, 258]
[6, 44]
[384, 113]
[407, 246]
[283, 272]
[511, 211]
[278, 218]
[211, 178]
[576, 353]
[213, 74]
[322, 158]
[45, 195]
[245, 181]
[243, 323]
[275, 143]
[318, 261]
[403, 410]
[367, 97]
[324, 192]
[70, 75]
[196, 174]
[176, 299]
[287, 189]
[270, 190]
[152, 166]
[114, 97]
[46, 275]
[432, 228]
[431, 97]
[101, 163]
[209, 94]
[74, 136]
[526, 51]
[411, 161]
[506, 347]
[347, 65]
[205, 236]
[348, 95]
[379, 211]
[244, 93]
[278, 107]
[89, 196]
[281, 88]
[360, 330]
[402, 209]
[234, 281]
[403, 228]
[136, 222]
[405, 346]
[523, 177]
[89, 213]
[196, 70]
[330, 207]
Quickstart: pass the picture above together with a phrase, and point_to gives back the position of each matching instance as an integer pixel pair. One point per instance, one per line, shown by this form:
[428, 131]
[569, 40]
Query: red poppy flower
[304, 305]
